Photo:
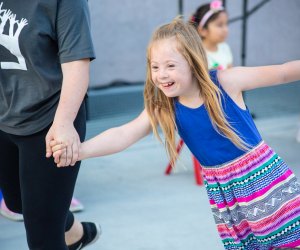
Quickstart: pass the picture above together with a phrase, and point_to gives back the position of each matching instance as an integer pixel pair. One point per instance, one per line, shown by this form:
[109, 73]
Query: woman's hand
[66, 135]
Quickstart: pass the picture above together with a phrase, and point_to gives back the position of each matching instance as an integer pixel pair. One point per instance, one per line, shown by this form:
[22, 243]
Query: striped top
[207, 145]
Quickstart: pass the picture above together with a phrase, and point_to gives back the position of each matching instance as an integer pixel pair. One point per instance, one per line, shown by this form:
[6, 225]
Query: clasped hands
[63, 142]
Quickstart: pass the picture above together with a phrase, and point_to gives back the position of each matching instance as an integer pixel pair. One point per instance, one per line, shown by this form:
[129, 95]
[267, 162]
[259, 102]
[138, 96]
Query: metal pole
[250, 12]
[224, 3]
[244, 31]
[244, 42]
[180, 7]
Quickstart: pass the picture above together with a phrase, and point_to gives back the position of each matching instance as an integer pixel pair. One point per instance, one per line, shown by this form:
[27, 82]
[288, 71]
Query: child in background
[254, 196]
[211, 22]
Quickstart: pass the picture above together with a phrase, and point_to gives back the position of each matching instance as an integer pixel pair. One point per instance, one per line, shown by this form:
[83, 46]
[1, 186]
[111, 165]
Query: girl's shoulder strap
[214, 77]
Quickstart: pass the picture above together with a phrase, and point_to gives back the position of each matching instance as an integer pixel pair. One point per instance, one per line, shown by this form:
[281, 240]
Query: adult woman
[44, 78]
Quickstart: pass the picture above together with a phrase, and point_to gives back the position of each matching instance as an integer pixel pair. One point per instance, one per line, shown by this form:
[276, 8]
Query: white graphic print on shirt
[11, 41]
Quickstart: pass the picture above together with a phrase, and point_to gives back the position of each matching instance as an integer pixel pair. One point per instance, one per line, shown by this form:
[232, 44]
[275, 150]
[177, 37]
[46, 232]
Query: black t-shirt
[36, 37]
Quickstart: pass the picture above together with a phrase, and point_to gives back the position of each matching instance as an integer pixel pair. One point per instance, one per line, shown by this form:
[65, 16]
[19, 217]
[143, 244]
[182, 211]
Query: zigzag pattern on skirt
[255, 200]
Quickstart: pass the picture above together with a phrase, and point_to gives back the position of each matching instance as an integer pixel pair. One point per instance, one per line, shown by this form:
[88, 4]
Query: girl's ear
[202, 32]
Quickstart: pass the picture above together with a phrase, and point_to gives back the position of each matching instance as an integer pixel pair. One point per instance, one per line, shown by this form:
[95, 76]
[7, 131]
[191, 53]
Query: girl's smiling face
[170, 71]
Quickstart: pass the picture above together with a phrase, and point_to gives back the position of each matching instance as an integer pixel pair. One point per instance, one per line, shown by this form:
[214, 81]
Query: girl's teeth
[167, 84]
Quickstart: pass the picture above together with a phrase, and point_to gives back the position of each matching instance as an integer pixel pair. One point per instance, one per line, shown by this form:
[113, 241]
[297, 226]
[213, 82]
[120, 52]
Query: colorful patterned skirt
[255, 200]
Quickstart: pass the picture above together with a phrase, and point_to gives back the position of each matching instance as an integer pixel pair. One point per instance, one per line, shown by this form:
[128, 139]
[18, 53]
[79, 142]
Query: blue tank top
[207, 145]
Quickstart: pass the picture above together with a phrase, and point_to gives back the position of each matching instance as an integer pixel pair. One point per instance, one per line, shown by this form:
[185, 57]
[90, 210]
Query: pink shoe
[5, 212]
[76, 205]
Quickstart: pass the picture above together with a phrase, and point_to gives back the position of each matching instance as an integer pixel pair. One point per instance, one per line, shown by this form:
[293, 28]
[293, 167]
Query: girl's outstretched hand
[59, 152]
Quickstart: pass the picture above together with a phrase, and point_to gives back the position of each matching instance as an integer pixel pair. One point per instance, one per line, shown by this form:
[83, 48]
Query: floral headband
[215, 6]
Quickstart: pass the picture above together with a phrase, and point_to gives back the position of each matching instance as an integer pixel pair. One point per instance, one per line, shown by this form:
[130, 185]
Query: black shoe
[91, 233]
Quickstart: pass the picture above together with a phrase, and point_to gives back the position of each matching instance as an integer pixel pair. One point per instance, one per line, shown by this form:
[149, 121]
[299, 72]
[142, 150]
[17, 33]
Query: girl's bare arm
[247, 78]
[237, 79]
[116, 139]
[110, 141]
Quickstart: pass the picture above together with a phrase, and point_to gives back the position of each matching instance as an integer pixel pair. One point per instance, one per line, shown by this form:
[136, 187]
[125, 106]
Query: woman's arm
[74, 87]
[110, 141]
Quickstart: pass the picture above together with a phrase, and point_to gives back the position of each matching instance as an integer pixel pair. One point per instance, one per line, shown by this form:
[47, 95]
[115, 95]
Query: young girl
[254, 196]
[211, 22]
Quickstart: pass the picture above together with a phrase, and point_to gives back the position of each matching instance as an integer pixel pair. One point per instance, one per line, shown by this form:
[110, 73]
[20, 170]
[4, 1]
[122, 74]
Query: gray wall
[122, 29]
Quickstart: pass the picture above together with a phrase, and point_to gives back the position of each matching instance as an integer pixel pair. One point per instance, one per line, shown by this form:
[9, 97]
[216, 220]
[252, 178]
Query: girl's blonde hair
[160, 108]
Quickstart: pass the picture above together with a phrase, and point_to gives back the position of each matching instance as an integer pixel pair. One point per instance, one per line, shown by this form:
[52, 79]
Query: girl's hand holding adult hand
[66, 134]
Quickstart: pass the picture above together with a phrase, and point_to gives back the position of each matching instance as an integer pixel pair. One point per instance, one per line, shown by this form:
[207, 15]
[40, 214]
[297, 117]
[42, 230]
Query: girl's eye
[171, 65]
[154, 67]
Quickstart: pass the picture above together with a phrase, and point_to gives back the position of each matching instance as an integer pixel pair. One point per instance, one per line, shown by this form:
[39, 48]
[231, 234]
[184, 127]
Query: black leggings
[32, 185]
